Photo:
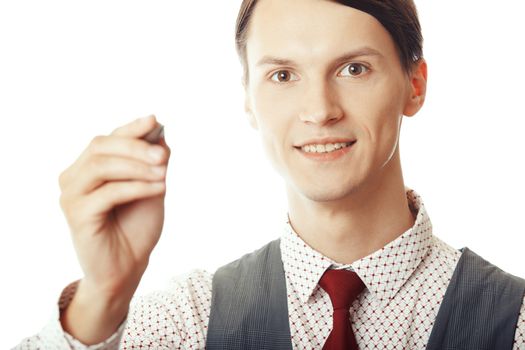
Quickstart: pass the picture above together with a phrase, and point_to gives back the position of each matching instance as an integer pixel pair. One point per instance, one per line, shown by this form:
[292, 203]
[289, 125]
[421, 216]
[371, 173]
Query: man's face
[321, 97]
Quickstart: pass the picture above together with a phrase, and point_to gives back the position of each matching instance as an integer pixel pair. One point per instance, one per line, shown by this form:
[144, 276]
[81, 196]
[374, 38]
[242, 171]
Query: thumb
[137, 128]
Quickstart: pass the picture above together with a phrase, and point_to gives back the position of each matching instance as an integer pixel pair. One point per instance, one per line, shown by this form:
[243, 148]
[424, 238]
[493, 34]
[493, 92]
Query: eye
[356, 69]
[281, 76]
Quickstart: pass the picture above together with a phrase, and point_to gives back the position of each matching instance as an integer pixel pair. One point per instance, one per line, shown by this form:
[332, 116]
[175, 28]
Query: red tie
[343, 287]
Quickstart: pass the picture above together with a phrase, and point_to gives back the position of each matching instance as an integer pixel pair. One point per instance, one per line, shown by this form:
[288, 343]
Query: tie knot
[343, 287]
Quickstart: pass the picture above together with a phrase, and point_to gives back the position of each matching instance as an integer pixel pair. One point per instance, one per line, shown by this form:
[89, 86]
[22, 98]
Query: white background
[71, 70]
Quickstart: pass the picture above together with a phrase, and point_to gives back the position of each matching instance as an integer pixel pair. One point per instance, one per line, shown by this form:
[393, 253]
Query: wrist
[93, 316]
[111, 288]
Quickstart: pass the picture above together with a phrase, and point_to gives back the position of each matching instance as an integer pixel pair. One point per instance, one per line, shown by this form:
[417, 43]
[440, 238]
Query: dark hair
[399, 17]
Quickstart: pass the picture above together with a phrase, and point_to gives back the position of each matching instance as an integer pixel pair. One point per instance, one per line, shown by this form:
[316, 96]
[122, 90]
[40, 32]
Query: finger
[137, 128]
[112, 194]
[103, 168]
[164, 145]
[127, 147]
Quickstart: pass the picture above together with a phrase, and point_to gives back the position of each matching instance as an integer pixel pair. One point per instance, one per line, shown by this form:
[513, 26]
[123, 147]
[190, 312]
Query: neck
[352, 227]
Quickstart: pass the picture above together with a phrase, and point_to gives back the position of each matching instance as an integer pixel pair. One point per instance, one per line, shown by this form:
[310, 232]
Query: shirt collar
[384, 271]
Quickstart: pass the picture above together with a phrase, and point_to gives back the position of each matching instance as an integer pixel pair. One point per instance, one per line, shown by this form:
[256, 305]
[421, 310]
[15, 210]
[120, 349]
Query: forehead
[312, 28]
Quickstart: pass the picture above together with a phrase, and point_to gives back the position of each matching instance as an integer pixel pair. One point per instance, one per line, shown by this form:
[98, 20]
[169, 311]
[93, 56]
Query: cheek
[274, 102]
[378, 111]
[274, 109]
[274, 113]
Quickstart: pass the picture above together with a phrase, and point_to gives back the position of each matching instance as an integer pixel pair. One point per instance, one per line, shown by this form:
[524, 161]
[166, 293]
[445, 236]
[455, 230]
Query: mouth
[326, 152]
[316, 148]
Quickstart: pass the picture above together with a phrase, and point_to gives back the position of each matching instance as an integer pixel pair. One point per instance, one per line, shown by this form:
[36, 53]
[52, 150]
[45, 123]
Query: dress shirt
[405, 284]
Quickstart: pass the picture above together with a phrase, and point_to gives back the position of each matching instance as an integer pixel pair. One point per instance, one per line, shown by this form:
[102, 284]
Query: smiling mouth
[325, 148]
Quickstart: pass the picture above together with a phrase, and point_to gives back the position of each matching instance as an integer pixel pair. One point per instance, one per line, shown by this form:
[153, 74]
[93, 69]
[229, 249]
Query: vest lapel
[480, 308]
[249, 305]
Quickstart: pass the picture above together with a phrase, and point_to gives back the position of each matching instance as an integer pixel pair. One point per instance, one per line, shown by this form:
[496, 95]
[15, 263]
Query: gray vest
[249, 306]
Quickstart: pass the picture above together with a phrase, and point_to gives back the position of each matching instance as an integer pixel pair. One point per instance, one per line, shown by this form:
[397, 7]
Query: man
[327, 84]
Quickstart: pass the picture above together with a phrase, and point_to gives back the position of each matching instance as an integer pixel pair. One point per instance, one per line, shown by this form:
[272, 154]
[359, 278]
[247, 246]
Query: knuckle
[65, 204]
[93, 168]
[74, 214]
[95, 163]
[62, 179]
[117, 130]
[96, 142]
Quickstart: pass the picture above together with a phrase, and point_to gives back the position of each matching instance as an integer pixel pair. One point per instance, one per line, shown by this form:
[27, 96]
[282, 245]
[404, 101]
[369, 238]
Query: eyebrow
[347, 56]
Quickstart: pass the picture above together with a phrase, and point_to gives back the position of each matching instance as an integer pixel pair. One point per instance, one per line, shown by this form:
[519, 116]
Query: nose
[320, 104]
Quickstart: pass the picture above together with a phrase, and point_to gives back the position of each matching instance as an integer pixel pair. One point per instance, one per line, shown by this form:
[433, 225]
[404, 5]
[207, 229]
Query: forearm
[52, 335]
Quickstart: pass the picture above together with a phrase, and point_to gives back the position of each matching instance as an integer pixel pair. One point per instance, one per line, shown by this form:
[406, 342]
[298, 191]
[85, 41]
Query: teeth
[329, 147]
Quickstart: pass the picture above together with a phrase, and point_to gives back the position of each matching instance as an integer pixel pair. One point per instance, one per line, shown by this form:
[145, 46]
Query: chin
[326, 193]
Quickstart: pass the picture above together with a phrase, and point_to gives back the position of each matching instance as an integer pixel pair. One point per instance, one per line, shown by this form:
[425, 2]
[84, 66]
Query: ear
[418, 88]
[248, 108]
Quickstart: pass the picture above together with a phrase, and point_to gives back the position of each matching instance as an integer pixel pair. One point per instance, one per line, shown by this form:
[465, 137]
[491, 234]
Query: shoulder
[196, 281]
[488, 284]
[466, 261]
[488, 275]
[246, 263]
[184, 288]
[177, 314]
[186, 299]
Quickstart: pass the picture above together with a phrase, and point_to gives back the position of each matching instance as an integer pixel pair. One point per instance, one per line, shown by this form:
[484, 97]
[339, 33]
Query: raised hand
[113, 200]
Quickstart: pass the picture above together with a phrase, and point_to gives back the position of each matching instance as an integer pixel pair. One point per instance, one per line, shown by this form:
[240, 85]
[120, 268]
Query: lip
[324, 141]
[328, 156]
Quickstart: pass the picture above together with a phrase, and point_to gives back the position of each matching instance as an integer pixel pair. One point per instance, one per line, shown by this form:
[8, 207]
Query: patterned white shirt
[405, 284]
